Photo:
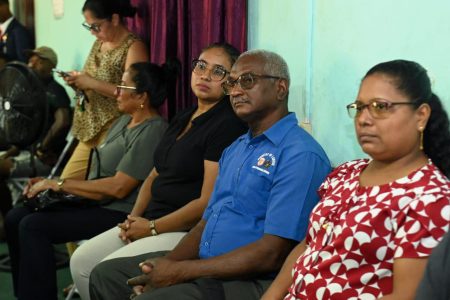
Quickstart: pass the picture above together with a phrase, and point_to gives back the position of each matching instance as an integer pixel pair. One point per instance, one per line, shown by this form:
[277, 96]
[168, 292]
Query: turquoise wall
[328, 44]
[345, 38]
[65, 35]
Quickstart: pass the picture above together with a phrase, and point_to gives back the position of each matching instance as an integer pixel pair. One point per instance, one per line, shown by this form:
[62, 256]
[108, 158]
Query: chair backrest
[62, 157]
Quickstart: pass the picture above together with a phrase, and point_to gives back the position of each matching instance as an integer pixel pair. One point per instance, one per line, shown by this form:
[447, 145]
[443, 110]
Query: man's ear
[282, 89]
[423, 113]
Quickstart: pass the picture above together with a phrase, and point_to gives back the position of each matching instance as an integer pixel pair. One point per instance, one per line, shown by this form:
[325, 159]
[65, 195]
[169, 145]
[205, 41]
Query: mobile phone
[60, 72]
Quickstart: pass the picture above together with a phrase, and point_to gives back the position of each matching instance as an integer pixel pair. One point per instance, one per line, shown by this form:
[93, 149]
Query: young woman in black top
[174, 195]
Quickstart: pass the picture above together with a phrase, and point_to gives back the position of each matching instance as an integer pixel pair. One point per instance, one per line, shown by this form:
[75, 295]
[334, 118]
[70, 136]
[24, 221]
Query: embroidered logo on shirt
[264, 162]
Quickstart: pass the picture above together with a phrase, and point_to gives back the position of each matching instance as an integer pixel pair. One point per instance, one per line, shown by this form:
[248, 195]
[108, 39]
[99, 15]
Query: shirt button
[251, 146]
[206, 244]
[215, 215]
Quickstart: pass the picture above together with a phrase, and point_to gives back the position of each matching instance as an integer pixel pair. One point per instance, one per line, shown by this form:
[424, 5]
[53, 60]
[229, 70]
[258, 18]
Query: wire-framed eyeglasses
[120, 88]
[245, 81]
[95, 27]
[378, 108]
[217, 72]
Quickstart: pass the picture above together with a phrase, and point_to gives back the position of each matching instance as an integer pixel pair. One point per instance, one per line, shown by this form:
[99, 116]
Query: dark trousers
[31, 235]
[5, 198]
[108, 282]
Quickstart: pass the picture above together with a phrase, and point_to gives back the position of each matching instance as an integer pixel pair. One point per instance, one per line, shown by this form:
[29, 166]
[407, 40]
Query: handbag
[50, 200]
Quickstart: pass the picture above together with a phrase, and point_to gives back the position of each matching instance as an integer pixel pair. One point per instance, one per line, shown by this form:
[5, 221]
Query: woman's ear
[423, 113]
[115, 19]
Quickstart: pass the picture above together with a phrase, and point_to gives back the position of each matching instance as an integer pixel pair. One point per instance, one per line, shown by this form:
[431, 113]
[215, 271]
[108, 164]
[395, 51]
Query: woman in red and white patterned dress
[378, 219]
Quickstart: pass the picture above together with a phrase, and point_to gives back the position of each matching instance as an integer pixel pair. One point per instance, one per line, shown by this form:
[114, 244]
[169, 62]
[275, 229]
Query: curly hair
[412, 79]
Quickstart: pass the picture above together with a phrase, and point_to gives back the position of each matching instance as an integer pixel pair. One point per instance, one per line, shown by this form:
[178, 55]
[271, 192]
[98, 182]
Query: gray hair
[274, 65]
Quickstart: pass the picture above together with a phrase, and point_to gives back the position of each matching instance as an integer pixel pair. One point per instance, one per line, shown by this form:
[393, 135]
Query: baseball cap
[44, 53]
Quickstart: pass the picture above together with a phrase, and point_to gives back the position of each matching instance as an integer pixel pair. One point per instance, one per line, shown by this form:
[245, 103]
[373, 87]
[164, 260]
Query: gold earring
[421, 138]
[142, 105]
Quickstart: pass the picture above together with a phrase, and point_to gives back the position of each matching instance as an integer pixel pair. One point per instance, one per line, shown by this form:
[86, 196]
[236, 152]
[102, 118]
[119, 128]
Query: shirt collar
[277, 132]
[4, 25]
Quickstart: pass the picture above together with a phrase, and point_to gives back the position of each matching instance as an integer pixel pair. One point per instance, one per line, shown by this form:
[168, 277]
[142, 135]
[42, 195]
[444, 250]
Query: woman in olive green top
[115, 175]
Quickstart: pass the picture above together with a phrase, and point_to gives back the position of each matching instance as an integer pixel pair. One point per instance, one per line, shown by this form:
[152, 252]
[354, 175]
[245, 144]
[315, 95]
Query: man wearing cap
[41, 60]
[14, 37]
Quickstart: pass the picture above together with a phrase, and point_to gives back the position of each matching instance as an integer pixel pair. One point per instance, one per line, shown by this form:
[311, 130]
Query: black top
[57, 98]
[180, 163]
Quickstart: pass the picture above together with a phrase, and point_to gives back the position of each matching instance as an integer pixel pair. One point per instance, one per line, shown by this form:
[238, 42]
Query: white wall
[346, 38]
[65, 35]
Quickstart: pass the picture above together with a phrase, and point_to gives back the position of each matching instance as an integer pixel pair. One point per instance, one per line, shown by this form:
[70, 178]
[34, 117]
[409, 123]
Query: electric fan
[23, 113]
[23, 105]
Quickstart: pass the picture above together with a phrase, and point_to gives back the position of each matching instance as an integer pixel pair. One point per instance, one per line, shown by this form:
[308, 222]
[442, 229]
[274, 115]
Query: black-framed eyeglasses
[217, 72]
[245, 81]
[378, 108]
[119, 88]
[95, 27]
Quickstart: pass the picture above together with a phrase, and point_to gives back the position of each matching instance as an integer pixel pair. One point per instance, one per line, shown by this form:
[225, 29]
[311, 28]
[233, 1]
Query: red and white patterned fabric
[356, 232]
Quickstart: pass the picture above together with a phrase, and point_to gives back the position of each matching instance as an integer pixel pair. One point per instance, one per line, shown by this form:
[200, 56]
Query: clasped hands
[134, 228]
[158, 272]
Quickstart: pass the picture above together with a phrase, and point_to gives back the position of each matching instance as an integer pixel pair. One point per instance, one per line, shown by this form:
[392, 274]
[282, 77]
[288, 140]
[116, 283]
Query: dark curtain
[181, 28]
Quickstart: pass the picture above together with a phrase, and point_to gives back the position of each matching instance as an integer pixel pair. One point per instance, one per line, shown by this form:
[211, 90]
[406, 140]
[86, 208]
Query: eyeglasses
[119, 88]
[245, 81]
[95, 27]
[199, 67]
[378, 108]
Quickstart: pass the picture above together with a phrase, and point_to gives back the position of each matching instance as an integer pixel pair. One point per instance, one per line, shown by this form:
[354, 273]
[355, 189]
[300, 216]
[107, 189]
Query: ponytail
[436, 136]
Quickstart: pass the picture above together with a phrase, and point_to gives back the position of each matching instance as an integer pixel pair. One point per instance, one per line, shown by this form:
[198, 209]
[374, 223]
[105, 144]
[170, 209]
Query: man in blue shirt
[258, 211]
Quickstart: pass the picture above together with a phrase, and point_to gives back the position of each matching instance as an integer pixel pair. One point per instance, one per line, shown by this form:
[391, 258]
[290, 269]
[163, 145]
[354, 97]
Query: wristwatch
[60, 183]
[153, 231]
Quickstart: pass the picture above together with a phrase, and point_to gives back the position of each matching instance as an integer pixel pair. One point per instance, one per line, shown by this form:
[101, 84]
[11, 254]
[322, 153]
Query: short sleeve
[137, 161]
[213, 198]
[58, 96]
[294, 194]
[436, 280]
[425, 223]
[225, 134]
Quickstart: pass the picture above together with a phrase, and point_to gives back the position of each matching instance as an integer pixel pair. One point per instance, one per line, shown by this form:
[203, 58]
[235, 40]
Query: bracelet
[153, 231]
[60, 183]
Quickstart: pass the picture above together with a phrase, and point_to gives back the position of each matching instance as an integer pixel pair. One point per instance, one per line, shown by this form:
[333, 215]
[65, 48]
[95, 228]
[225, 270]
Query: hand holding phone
[60, 72]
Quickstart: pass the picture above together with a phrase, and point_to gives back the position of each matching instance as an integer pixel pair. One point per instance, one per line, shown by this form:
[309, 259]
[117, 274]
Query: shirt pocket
[255, 188]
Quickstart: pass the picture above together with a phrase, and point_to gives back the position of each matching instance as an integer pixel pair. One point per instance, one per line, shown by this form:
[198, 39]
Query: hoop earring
[142, 106]
[421, 129]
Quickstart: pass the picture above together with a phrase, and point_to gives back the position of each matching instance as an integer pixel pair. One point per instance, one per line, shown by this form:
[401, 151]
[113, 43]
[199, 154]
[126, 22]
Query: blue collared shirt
[266, 185]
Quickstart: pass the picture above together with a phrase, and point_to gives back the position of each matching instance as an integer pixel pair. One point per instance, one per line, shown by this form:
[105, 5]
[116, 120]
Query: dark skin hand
[262, 256]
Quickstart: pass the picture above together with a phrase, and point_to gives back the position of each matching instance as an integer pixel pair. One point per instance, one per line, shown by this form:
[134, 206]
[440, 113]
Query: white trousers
[108, 245]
